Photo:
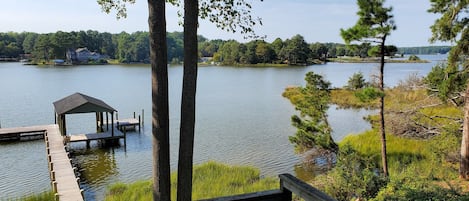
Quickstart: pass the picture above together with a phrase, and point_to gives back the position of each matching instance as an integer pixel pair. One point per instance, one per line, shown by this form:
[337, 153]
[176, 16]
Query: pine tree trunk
[464, 164]
[186, 138]
[159, 88]
[382, 128]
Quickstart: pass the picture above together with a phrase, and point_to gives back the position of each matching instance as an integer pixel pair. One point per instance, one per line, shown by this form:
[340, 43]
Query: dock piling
[139, 123]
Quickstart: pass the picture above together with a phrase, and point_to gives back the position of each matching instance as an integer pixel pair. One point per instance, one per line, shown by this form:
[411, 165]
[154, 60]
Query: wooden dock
[64, 181]
[123, 124]
[107, 135]
[62, 174]
[18, 133]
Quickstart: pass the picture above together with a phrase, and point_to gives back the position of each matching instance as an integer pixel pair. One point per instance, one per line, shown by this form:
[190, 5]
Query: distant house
[83, 55]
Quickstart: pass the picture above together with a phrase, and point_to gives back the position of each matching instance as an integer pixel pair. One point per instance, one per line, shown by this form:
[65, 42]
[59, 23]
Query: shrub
[414, 58]
[369, 94]
[356, 81]
[355, 176]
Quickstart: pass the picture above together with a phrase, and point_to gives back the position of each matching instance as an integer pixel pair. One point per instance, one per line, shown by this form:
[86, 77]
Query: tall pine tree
[374, 25]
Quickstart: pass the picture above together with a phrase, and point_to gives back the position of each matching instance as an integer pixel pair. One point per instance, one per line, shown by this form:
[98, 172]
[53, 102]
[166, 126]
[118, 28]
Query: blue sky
[315, 20]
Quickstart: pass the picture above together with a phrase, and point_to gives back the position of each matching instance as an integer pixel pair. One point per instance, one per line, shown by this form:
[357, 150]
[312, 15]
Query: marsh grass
[44, 196]
[345, 98]
[210, 180]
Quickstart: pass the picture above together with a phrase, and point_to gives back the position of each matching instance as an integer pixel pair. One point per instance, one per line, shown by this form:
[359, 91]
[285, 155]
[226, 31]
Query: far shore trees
[374, 25]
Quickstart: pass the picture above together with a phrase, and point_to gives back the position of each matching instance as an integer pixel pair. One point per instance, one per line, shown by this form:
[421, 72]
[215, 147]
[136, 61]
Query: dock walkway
[62, 175]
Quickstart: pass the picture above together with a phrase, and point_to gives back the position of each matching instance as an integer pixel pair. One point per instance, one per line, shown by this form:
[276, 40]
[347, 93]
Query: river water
[242, 118]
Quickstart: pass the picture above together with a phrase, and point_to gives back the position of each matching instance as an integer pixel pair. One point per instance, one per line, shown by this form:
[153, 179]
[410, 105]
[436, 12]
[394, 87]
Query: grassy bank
[423, 141]
[44, 196]
[209, 180]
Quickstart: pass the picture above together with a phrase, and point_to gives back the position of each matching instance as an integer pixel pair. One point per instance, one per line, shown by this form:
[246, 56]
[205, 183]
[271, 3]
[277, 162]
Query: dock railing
[289, 185]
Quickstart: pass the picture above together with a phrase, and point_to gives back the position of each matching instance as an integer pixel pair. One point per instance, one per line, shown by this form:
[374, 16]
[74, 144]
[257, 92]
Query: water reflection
[96, 166]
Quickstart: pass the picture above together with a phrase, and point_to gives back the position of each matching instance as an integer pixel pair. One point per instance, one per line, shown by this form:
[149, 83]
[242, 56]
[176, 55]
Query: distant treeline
[425, 50]
[134, 47]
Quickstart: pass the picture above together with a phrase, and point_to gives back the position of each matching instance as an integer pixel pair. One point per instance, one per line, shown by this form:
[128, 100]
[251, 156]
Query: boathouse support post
[101, 123]
[64, 128]
[143, 117]
[107, 121]
[112, 124]
[125, 138]
[97, 122]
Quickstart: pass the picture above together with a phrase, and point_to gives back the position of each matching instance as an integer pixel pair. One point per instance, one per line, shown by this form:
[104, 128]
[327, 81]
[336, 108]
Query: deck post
[134, 115]
[101, 115]
[287, 194]
[125, 137]
[53, 175]
[54, 186]
[64, 128]
[97, 122]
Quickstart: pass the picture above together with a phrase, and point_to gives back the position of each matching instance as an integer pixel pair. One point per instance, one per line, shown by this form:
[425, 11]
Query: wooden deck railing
[288, 185]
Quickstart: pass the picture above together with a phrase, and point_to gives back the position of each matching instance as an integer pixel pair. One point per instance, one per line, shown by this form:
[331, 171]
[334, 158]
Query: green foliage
[356, 81]
[44, 196]
[420, 169]
[345, 98]
[390, 50]
[210, 179]
[411, 186]
[214, 180]
[375, 21]
[446, 82]
[313, 130]
[354, 177]
[453, 25]
[369, 94]
[453, 20]
[138, 191]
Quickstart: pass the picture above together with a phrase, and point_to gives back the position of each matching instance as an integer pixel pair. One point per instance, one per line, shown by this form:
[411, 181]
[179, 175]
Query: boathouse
[79, 103]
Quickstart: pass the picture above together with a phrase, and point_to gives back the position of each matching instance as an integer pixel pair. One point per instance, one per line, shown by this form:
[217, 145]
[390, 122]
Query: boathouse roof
[80, 103]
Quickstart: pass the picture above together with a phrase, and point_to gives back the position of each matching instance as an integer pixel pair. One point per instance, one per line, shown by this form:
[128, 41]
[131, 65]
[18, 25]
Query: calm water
[242, 118]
